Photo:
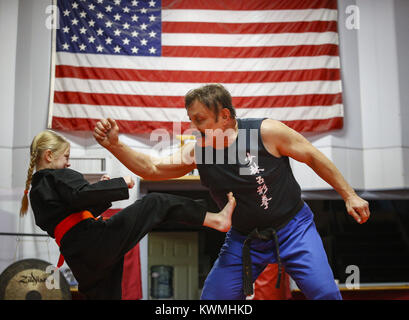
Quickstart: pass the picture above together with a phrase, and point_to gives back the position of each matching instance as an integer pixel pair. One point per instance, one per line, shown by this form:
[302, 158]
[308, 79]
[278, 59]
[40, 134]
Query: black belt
[265, 234]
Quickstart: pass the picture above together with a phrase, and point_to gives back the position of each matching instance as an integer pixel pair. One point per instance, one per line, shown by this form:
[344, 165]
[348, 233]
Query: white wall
[24, 82]
[8, 34]
[380, 96]
[8, 199]
[371, 150]
[344, 146]
[402, 44]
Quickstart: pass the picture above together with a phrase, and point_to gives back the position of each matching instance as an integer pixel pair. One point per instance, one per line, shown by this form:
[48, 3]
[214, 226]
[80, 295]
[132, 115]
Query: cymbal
[29, 279]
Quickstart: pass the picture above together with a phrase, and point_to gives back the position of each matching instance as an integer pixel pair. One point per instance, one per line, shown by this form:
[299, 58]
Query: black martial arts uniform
[95, 249]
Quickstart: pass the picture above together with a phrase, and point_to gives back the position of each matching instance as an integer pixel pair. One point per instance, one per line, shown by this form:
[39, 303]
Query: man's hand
[358, 208]
[106, 132]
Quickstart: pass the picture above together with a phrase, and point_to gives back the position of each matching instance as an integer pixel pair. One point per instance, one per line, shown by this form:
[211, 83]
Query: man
[271, 223]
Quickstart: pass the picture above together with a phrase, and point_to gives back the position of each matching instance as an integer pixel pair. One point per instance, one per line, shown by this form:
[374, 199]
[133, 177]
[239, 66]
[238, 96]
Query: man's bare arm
[150, 168]
[281, 140]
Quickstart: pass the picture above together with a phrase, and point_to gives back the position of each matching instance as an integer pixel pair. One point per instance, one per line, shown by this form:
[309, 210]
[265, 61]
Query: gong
[33, 279]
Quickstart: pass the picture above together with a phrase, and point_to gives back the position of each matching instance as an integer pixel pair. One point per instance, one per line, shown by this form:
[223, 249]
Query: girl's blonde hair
[45, 140]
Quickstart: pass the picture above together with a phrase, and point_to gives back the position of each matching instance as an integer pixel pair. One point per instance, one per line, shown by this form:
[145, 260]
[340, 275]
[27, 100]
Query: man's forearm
[137, 162]
[148, 167]
[330, 173]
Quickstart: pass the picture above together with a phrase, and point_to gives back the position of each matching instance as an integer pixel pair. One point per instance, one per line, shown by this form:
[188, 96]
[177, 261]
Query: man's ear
[48, 155]
[225, 113]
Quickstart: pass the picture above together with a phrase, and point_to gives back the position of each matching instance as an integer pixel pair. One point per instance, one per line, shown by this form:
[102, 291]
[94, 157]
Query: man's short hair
[214, 96]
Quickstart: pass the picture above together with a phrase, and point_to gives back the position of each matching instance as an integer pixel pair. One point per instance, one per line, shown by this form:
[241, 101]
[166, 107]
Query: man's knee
[222, 290]
[323, 292]
[333, 294]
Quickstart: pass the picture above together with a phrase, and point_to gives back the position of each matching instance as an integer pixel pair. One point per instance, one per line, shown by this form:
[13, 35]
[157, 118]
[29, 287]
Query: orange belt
[62, 228]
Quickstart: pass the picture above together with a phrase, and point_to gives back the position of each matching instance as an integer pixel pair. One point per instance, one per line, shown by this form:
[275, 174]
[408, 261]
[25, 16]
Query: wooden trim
[184, 178]
[369, 287]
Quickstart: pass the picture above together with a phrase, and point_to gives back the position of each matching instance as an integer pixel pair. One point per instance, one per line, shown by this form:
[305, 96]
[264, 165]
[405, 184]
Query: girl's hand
[129, 181]
[105, 177]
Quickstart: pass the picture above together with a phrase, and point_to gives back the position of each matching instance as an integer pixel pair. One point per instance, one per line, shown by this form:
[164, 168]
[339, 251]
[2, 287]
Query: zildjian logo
[31, 278]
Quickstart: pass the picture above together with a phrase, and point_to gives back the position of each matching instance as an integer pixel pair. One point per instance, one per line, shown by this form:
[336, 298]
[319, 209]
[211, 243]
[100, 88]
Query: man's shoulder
[265, 122]
[274, 134]
[269, 126]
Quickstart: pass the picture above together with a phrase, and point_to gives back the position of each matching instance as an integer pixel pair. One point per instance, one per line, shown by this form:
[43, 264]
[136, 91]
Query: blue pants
[301, 252]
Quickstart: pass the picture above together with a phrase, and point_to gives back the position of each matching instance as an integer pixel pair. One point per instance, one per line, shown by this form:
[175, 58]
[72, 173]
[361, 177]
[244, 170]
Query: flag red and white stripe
[278, 59]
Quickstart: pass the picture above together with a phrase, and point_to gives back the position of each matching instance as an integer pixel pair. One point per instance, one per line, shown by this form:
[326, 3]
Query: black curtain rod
[23, 234]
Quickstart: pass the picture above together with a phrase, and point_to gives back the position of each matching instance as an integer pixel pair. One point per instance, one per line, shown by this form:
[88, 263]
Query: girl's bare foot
[221, 221]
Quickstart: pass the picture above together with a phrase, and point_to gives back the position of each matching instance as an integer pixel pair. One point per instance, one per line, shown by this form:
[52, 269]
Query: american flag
[134, 61]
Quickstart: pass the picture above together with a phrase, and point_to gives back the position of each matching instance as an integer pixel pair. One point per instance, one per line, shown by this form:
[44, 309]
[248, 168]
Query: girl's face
[62, 161]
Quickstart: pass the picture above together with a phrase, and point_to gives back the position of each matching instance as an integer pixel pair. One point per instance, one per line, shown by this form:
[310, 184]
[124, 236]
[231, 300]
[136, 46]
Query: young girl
[66, 206]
